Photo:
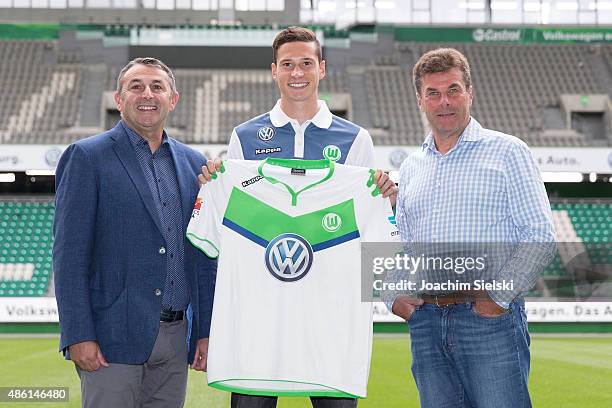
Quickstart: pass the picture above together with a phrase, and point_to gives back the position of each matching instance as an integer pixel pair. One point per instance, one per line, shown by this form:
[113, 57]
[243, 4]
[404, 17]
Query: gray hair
[154, 62]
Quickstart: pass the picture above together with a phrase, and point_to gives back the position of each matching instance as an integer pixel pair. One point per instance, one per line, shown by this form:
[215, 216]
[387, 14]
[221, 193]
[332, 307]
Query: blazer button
[157, 292]
[162, 250]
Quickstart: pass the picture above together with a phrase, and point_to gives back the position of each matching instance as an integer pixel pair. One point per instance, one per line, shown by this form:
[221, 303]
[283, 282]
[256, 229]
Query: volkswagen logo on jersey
[332, 152]
[265, 133]
[289, 257]
[331, 222]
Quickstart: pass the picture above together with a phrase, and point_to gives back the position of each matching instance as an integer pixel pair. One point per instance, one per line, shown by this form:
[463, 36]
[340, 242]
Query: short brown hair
[154, 62]
[293, 34]
[441, 60]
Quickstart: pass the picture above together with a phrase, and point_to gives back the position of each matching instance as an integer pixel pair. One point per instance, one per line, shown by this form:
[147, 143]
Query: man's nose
[147, 92]
[297, 71]
[444, 99]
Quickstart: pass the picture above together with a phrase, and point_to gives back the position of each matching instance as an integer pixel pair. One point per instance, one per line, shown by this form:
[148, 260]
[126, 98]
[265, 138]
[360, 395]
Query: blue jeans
[461, 359]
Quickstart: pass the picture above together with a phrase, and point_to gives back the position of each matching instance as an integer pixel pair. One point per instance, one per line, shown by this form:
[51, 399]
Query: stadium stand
[26, 235]
[25, 246]
[517, 90]
[44, 87]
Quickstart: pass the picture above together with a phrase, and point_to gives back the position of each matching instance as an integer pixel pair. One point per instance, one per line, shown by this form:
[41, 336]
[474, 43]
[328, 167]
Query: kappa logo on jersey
[268, 150]
[250, 181]
[265, 133]
[331, 222]
[197, 207]
[289, 257]
[391, 219]
[332, 152]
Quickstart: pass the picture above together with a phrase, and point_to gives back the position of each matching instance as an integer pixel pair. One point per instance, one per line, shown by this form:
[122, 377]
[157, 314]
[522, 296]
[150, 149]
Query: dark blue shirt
[160, 173]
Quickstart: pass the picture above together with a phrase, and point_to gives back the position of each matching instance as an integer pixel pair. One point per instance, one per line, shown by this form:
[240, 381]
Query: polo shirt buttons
[162, 250]
[157, 292]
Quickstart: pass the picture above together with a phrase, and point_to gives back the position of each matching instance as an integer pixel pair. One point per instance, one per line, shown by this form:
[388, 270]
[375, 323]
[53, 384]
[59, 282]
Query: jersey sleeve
[234, 149]
[362, 152]
[204, 229]
[375, 215]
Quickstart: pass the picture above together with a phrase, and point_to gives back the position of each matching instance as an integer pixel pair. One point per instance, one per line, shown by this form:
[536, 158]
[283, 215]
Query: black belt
[171, 315]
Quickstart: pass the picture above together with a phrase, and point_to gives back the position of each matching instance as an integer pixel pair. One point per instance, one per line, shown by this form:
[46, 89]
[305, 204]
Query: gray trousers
[161, 382]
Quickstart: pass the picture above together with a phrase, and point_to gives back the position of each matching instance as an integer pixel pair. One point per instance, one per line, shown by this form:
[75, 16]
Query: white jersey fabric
[288, 317]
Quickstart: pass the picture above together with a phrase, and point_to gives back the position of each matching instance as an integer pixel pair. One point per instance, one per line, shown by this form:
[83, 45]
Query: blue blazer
[109, 269]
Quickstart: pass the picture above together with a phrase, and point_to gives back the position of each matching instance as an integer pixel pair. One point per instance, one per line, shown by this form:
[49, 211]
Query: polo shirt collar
[322, 119]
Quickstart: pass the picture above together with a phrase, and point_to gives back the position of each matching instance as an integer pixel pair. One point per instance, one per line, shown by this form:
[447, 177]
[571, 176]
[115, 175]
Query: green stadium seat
[26, 238]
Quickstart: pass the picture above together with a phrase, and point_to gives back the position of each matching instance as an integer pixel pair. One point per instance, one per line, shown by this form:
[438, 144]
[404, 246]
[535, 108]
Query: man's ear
[322, 69]
[273, 68]
[174, 100]
[117, 96]
[419, 101]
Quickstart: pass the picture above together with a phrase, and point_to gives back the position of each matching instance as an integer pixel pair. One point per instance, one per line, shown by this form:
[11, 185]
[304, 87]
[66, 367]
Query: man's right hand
[87, 355]
[404, 306]
[208, 171]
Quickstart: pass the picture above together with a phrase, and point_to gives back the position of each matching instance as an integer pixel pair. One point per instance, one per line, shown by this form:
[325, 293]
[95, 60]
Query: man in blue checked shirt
[468, 190]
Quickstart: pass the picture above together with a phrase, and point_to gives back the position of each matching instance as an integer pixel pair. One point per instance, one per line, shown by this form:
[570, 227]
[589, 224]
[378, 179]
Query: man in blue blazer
[124, 273]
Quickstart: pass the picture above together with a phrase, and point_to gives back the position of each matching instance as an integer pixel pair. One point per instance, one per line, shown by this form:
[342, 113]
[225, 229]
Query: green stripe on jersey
[267, 222]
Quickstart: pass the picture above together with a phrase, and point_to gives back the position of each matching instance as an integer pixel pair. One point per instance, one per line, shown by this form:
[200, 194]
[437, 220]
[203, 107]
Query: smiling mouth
[146, 108]
[445, 115]
[298, 85]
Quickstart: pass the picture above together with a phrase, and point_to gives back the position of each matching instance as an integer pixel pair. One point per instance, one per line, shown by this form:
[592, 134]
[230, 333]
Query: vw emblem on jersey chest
[332, 152]
[289, 257]
[331, 222]
[265, 133]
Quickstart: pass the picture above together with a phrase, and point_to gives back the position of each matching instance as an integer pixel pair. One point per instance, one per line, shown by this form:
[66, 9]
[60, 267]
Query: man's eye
[433, 94]
[287, 65]
[136, 87]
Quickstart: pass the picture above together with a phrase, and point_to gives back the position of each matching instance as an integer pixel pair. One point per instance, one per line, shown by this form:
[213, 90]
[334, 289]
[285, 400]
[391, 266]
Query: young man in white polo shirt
[300, 126]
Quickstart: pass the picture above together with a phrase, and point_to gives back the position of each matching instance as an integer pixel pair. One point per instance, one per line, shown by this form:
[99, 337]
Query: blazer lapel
[127, 156]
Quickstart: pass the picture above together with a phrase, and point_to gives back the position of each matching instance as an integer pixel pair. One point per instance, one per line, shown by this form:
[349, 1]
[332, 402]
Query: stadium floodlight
[385, 5]
[531, 6]
[472, 5]
[327, 6]
[504, 5]
[600, 5]
[7, 177]
[567, 5]
[561, 177]
[40, 172]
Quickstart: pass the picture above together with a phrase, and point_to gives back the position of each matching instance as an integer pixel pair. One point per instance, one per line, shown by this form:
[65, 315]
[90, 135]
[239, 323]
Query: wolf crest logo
[332, 152]
[331, 222]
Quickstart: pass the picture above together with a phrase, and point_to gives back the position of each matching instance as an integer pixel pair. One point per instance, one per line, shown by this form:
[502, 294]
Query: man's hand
[386, 186]
[404, 306]
[486, 307]
[201, 355]
[208, 171]
[87, 355]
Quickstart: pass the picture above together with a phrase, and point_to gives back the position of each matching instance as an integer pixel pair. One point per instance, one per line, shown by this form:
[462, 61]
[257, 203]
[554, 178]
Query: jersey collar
[297, 164]
[322, 119]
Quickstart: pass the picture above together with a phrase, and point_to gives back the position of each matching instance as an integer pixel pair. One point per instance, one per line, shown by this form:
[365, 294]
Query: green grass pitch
[566, 372]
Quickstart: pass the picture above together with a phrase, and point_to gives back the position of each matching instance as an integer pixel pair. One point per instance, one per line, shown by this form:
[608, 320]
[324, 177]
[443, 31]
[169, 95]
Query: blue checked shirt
[160, 173]
[486, 189]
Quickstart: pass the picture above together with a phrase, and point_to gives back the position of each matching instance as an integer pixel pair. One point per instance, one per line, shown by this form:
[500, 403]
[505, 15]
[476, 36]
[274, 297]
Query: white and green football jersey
[288, 317]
